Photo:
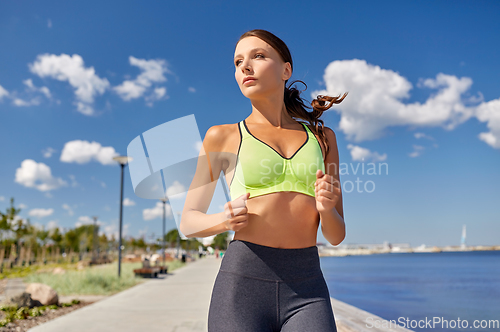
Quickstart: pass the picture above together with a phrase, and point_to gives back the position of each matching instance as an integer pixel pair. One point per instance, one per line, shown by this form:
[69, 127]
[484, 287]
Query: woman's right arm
[194, 221]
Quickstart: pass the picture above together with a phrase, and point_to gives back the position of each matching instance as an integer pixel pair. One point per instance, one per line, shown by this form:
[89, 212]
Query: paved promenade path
[178, 302]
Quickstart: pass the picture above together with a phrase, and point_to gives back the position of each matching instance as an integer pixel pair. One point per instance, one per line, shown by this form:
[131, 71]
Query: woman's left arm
[329, 194]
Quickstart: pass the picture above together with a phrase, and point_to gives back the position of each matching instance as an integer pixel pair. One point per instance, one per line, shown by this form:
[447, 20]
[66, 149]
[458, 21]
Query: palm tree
[7, 218]
[20, 228]
[43, 235]
[56, 236]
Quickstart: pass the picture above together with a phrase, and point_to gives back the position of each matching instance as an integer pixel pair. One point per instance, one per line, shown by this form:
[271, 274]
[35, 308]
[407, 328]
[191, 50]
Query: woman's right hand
[236, 213]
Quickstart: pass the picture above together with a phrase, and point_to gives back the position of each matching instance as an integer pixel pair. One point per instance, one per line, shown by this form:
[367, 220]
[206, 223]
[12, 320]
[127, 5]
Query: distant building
[462, 242]
[371, 246]
[362, 248]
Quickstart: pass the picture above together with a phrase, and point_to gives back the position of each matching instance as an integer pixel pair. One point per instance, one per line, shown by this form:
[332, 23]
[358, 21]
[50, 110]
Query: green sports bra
[261, 170]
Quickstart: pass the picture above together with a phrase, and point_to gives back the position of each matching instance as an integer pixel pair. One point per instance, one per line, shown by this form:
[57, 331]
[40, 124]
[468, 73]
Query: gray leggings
[267, 289]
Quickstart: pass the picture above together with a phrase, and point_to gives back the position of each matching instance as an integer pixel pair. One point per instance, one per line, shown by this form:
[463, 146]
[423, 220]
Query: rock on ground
[43, 293]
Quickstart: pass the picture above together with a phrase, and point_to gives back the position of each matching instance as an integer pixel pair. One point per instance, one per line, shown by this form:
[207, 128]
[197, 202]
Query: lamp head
[123, 160]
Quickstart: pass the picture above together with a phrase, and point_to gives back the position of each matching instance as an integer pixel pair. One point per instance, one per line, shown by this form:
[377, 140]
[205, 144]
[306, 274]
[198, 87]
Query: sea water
[415, 288]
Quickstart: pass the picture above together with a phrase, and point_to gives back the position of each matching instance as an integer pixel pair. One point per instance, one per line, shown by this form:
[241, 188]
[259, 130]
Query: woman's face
[256, 58]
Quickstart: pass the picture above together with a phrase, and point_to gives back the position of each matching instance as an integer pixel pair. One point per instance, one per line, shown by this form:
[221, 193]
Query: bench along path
[176, 303]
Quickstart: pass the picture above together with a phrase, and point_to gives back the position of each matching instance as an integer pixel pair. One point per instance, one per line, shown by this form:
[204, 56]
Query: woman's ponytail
[297, 109]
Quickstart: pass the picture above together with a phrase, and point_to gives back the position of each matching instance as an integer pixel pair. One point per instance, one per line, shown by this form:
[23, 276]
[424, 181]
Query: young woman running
[285, 180]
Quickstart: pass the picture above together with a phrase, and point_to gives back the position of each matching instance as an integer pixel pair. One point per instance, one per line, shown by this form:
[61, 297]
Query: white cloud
[71, 69]
[48, 152]
[44, 90]
[363, 154]
[128, 202]
[489, 112]
[85, 109]
[82, 152]
[52, 224]
[49, 23]
[156, 211]
[175, 189]
[22, 206]
[152, 71]
[207, 241]
[375, 99]
[3, 93]
[86, 220]
[17, 218]
[40, 213]
[23, 103]
[417, 151]
[30, 90]
[37, 175]
[143, 232]
[191, 89]
[157, 94]
[2, 198]
[160, 92]
[112, 230]
[130, 90]
[73, 180]
[68, 209]
[422, 135]
[37, 225]
[101, 183]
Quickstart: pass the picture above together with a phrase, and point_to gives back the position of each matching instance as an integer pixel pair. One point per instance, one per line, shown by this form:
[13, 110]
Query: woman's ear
[287, 71]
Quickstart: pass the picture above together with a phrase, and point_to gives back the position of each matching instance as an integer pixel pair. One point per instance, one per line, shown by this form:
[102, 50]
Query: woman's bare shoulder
[218, 137]
[330, 136]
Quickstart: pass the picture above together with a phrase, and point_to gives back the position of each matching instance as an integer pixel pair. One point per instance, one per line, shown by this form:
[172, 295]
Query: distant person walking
[285, 180]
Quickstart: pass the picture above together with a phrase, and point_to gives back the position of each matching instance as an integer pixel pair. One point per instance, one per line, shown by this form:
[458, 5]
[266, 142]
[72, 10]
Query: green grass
[96, 280]
[23, 271]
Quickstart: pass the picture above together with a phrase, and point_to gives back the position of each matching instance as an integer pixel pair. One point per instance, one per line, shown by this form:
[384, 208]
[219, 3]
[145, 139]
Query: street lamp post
[164, 201]
[122, 160]
[94, 244]
[178, 236]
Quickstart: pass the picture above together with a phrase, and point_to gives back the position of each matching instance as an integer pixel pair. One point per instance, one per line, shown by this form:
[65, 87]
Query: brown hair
[293, 102]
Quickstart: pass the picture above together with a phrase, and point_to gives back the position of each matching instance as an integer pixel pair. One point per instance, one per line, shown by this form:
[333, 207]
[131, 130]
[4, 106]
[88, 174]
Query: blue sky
[80, 80]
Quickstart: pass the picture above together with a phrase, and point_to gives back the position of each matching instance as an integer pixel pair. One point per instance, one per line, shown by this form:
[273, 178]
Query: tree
[171, 237]
[103, 243]
[56, 236]
[43, 235]
[21, 228]
[7, 218]
[220, 240]
[30, 235]
[141, 243]
[71, 240]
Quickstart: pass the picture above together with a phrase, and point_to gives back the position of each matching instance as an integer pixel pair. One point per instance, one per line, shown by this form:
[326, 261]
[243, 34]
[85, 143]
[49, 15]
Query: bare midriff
[280, 219]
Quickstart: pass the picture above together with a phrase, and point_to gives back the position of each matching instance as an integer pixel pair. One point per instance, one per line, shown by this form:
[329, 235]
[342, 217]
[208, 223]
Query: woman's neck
[270, 111]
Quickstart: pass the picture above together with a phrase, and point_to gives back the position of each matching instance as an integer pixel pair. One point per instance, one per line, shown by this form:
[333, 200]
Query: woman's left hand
[327, 191]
